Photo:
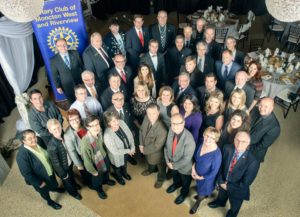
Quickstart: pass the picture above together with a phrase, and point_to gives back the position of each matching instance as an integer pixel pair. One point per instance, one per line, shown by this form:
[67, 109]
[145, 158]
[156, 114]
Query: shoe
[78, 187]
[179, 199]
[60, 190]
[78, 197]
[55, 205]
[215, 204]
[194, 209]
[102, 194]
[121, 181]
[146, 173]
[110, 182]
[171, 189]
[158, 184]
[132, 161]
[126, 176]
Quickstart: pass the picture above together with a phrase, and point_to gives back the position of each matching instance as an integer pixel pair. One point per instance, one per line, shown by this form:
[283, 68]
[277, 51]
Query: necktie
[66, 59]
[122, 115]
[187, 44]
[174, 144]
[162, 36]
[93, 92]
[225, 71]
[200, 64]
[233, 162]
[141, 38]
[105, 56]
[123, 76]
[86, 110]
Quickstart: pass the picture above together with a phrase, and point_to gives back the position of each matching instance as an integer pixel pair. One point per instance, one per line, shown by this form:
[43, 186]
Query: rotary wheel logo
[66, 33]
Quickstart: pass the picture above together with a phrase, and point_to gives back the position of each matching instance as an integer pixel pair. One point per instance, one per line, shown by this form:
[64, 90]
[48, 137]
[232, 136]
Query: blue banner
[60, 19]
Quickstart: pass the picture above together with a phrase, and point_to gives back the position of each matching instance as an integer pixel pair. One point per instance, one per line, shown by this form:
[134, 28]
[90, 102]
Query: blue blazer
[231, 75]
[242, 176]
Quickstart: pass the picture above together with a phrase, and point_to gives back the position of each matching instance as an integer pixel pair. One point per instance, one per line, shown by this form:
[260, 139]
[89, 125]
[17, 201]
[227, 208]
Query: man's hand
[170, 166]
[224, 186]
[141, 149]
[43, 184]
[59, 90]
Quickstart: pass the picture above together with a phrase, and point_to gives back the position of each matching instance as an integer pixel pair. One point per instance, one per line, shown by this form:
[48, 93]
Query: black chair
[276, 28]
[293, 39]
[221, 35]
[286, 100]
[255, 44]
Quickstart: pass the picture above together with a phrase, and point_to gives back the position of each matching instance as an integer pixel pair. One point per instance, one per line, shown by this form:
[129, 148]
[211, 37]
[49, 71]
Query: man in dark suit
[179, 151]
[66, 68]
[238, 56]
[163, 32]
[265, 128]
[115, 40]
[35, 167]
[241, 78]
[96, 59]
[92, 87]
[115, 86]
[196, 77]
[226, 69]
[125, 72]
[238, 170]
[213, 48]
[136, 41]
[189, 42]
[205, 63]
[156, 62]
[182, 87]
[198, 33]
[175, 57]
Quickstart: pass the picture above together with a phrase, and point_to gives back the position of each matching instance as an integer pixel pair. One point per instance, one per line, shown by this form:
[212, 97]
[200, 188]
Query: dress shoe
[171, 189]
[158, 184]
[110, 182]
[126, 176]
[121, 181]
[179, 199]
[146, 173]
[215, 204]
[60, 190]
[194, 209]
[131, 160]
[102, 194]
[78, 187]
[78, 197]
[55, 205]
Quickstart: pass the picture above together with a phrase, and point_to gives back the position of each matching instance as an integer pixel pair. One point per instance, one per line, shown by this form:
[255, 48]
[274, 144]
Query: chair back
[221, 34]
[294, 34]
[255, 44]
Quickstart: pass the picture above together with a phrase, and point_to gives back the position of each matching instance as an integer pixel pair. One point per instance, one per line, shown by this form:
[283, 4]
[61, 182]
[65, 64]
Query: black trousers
[183, 181]
[102, 178]
[69, 183]
[51, 185]
[122, 170]
[235, 204]
[161, 175]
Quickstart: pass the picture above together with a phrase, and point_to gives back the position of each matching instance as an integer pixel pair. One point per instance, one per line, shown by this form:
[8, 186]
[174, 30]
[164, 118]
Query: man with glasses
[238, 170]
[92, 87]
[66, 68]
[179, 151]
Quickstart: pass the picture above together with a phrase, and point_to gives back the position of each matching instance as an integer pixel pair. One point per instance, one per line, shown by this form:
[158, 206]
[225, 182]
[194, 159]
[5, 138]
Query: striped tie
[163, 36]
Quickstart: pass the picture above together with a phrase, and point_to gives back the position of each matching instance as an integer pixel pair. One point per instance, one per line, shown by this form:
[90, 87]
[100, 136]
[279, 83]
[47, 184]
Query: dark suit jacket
[98, 90]
[198, 36]
[32, 168]
[209, 64]
[203, 96]
[192, 45]
[134, 47]
[64, 77]
[129, 77]
[160, 73]
[263, 133]
[187, 91]
[242, 175]
[231, 75]
[105, 98]
[128, 119]
[214, 49]
[112, 44]
[170, 37]
[94, 62]
[239, 58]
[249, 90]
[196, 77]
[174, 60]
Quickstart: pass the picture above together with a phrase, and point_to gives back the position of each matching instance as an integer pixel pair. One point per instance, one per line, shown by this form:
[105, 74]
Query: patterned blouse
[139, 108]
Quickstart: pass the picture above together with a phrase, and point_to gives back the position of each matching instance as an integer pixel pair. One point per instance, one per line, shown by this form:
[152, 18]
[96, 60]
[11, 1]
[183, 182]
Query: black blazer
[105, 98]
[192, 45]
[128, 118]
[98, 90]
[94, 62]
[231, 75]
[129, 77]
[134, 47]
[187, 91]
[198, 36]
[209, 64]
[170, 37]
[174, 60]
[66, 78]
[160, 73]
[112, 44]
[32, 168]
[242, 176]
[249, 90]
[214, 49]
[263, 133]
[196, 77]
[239, 58]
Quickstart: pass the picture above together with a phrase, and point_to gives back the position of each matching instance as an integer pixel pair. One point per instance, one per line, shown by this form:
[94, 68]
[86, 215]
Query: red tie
[174, 145]
[233, 162]
[123, 75]
[141, 38]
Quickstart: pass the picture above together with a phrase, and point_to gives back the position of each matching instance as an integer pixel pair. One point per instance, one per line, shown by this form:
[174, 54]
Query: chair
[221, 35]
[283, 100]
[255, 44]
[276, 28]
[293, 39]
[243, 33]
[181, 27]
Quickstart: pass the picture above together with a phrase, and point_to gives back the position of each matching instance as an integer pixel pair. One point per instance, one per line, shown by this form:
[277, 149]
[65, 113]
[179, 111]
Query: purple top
[193, 123]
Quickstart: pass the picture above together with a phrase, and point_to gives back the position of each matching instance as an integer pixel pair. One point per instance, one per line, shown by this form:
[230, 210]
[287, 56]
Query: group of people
[192, 108]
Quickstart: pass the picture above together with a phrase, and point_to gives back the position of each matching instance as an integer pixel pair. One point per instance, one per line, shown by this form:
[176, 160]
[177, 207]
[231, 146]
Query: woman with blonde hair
[145, 74]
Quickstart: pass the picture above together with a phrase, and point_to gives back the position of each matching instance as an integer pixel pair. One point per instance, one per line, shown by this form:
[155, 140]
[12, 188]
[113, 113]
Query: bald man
[240, 82]
[238, 170]
[265, 128]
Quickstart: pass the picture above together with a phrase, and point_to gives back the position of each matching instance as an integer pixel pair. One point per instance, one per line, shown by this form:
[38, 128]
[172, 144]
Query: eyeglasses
[121, 61]
[64, 45]
[118, 99]
[74, 119]
[176, 124]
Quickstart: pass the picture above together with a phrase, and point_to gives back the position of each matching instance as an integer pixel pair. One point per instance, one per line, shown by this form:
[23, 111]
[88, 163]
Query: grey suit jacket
[153, 140]
[183, 156]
